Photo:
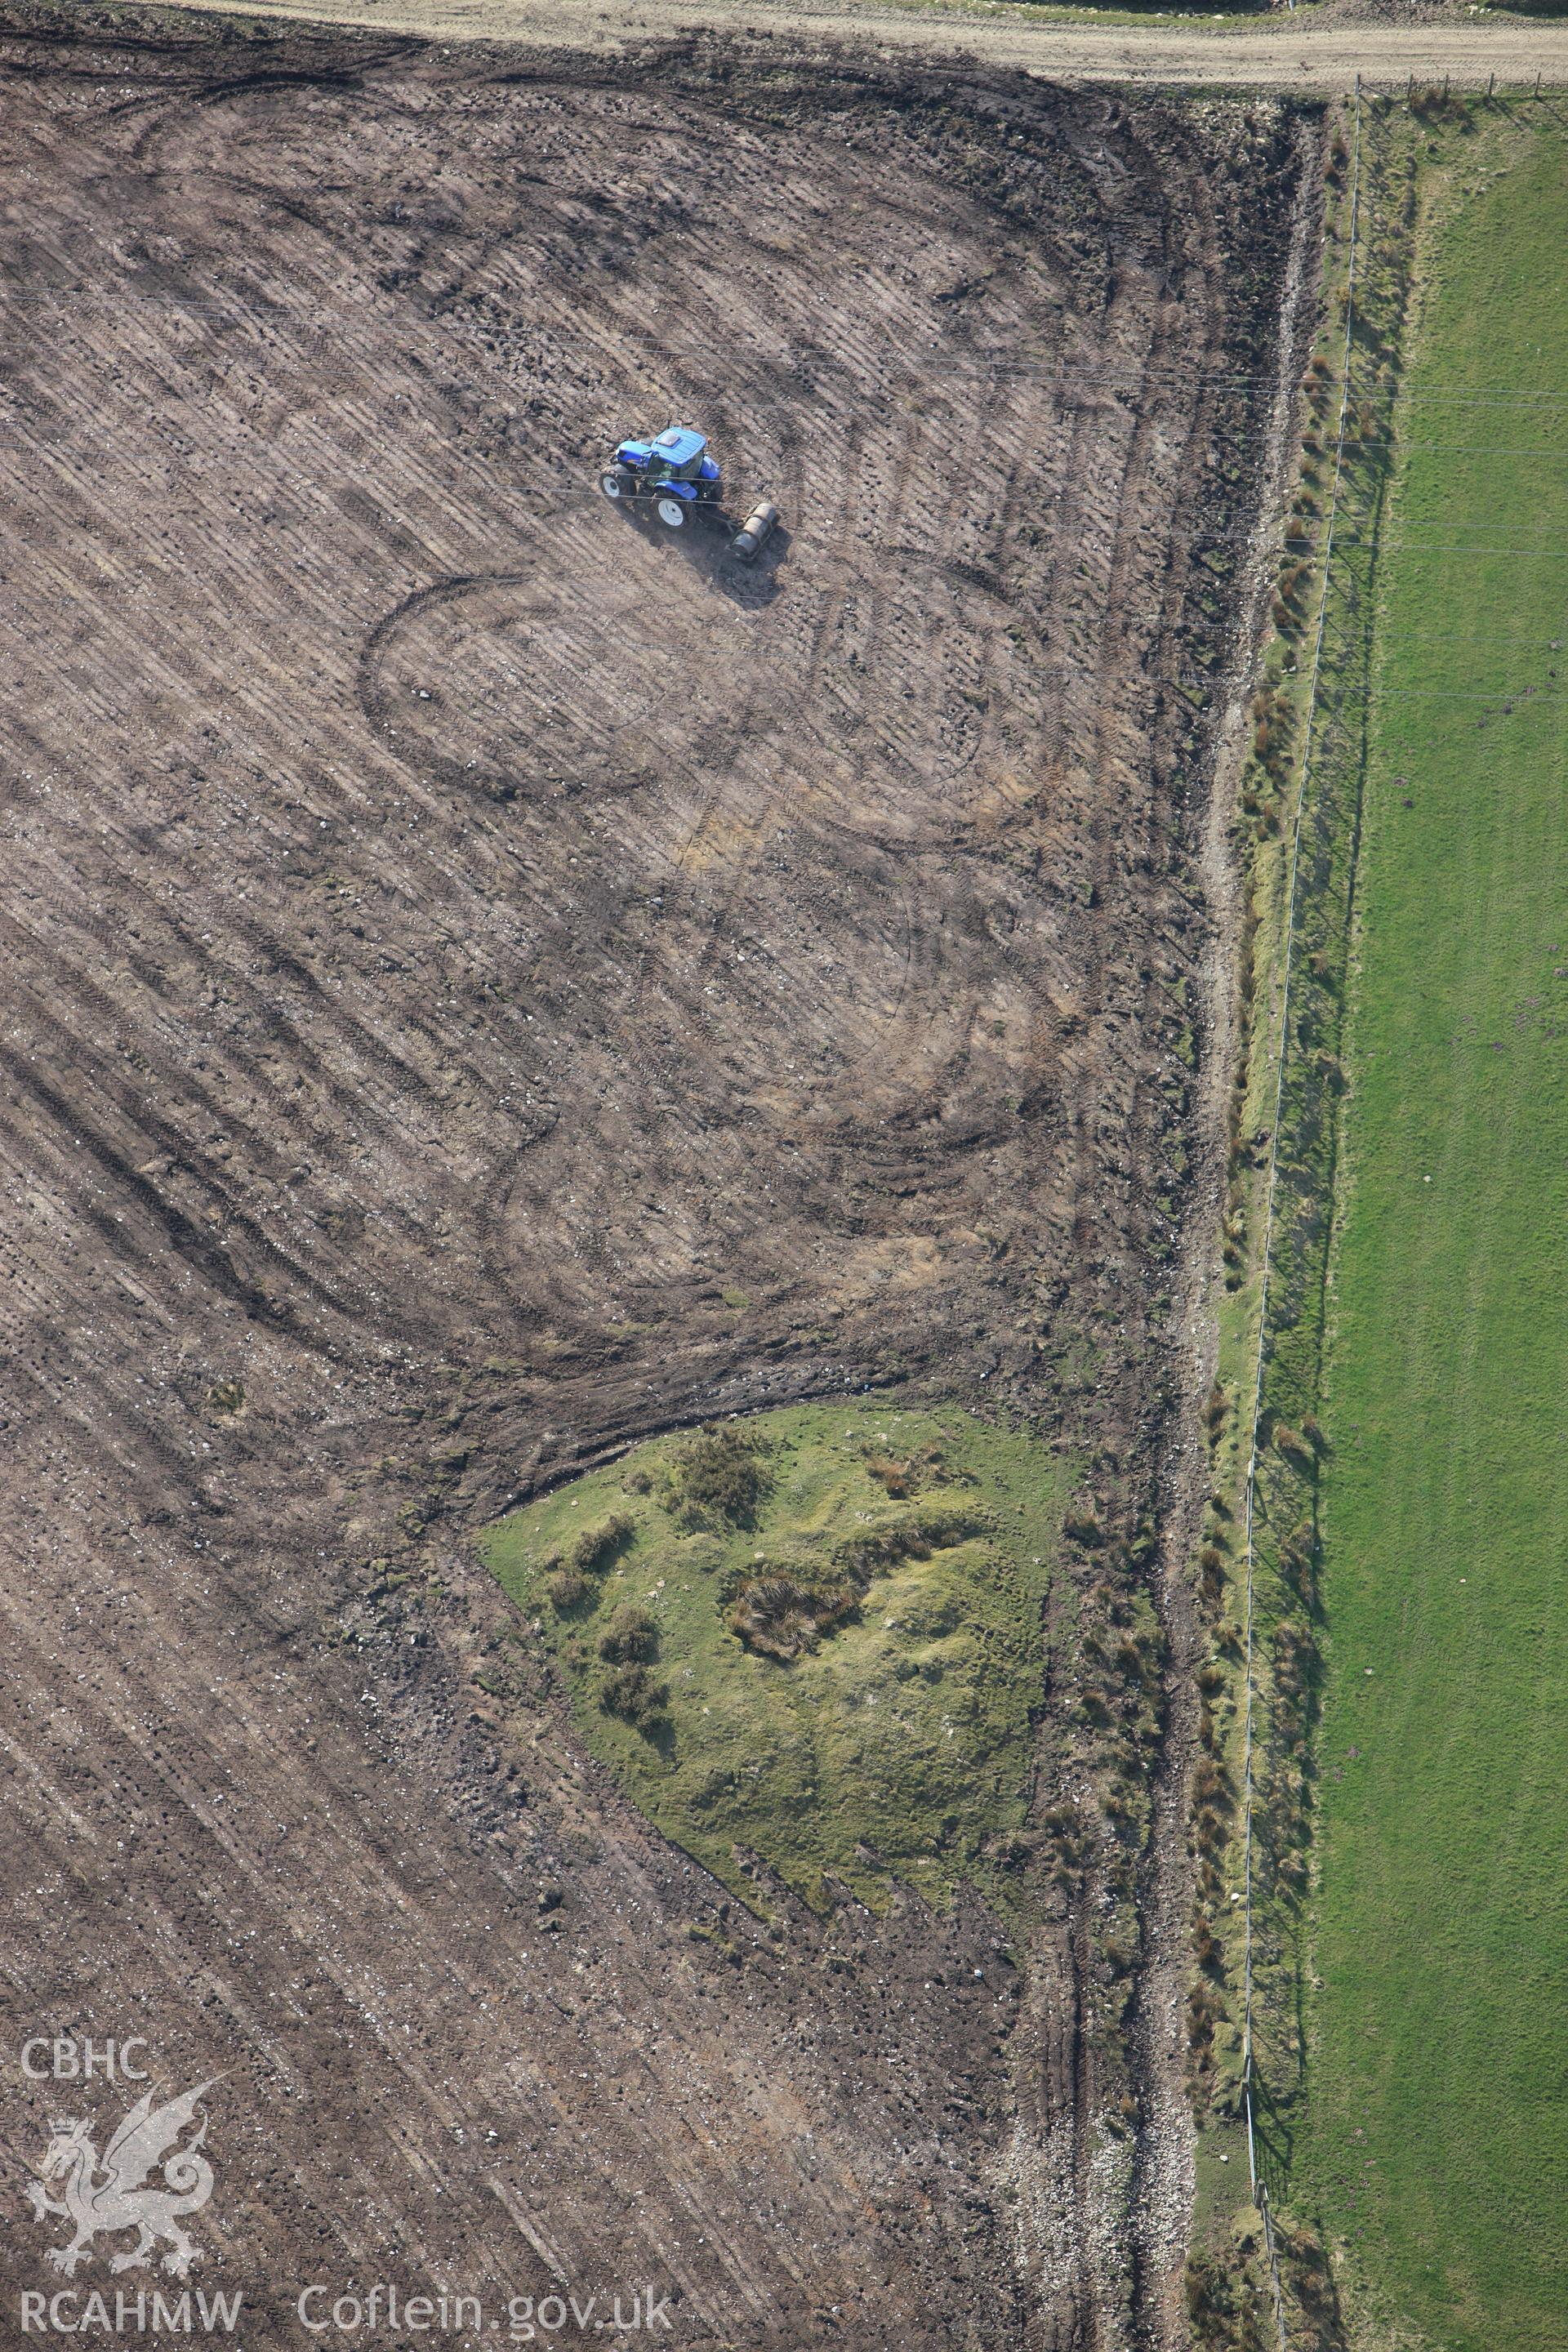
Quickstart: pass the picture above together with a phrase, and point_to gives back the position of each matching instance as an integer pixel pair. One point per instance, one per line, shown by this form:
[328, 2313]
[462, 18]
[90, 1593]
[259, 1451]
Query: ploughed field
[490, 982]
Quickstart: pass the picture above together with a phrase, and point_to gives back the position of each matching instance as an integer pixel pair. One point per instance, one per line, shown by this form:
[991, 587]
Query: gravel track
[1282, 53]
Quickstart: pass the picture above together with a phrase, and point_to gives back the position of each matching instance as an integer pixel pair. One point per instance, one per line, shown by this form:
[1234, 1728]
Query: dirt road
[461, 943]
[1278, 54]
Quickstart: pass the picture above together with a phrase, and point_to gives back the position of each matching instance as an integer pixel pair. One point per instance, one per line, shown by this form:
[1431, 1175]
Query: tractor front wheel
[613, 484]
[672, 511]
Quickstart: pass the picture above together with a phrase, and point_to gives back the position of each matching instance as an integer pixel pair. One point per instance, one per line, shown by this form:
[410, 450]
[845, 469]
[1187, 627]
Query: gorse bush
[632, 1693]
[718, 1477]
[630, 1634]
[596, 1548]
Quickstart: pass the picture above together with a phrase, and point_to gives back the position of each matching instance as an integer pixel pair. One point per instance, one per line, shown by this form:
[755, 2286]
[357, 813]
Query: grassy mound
[814, 1636]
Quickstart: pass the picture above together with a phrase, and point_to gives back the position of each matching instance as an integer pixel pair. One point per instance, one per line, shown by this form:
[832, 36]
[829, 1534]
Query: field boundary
[1299, 824]
[1259, 2189]
[1458, 501]
[1263, 1803]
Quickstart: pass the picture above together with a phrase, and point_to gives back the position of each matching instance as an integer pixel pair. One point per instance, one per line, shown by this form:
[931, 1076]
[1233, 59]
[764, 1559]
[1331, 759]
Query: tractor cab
[676, 457]
[673, 469]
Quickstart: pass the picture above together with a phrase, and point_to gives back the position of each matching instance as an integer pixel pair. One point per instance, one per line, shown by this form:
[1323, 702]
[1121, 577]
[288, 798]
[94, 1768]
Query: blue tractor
[674, 470]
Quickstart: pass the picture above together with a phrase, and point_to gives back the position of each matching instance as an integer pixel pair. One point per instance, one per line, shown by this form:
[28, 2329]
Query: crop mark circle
[531, 683]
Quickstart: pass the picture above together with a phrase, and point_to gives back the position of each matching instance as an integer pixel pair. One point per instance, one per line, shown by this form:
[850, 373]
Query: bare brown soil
[460, 944]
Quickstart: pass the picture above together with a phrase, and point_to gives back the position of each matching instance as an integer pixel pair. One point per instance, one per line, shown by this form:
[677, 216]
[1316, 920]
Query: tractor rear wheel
[672, 511]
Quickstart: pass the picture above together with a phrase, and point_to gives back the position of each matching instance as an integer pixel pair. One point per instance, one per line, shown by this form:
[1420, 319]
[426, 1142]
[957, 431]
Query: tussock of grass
[777, 1656]
[782, 1617]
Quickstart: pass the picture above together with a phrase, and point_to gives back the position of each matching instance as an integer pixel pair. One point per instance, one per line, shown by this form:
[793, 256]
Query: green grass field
[1437, 2150]
[888, 1737]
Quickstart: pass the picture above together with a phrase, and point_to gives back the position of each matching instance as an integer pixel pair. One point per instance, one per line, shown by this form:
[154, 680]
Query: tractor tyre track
[427, 1037]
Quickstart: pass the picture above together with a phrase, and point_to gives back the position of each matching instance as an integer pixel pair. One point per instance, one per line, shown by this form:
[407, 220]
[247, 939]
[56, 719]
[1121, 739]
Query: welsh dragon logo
[103, 2195]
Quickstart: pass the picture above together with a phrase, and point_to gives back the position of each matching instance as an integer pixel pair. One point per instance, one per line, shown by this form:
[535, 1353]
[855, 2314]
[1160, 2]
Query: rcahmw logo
[149, 2178]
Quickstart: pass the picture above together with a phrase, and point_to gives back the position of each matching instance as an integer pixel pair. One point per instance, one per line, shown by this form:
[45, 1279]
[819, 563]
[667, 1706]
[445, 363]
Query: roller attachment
[758, 526]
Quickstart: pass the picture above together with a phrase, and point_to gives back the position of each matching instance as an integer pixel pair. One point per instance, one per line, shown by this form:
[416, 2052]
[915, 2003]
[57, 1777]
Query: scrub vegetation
[811, 1640]
[1410, 1599]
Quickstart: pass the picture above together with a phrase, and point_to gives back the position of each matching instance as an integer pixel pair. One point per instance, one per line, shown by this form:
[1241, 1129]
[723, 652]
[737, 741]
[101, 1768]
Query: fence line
[1258, 2189]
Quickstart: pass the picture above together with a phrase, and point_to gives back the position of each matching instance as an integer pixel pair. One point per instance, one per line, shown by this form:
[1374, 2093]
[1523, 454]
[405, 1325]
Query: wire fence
[1248, 2079]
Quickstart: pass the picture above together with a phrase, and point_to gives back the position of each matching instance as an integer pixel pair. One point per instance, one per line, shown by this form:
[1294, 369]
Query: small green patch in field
[814, 1637]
